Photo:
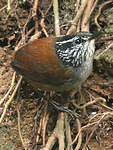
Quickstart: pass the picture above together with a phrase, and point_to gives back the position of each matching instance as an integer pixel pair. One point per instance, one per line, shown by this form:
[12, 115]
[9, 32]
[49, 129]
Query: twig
[105, 106]
[49, 7]
[9, 5]
[19, 120]
[56, 17]
[109, 114]
[39, 130]
[77, 5]
[3, 7]
[36, 127]
[89, 15]
[24, 37]
[89, 103]
[19, 129]
[11, 87]
[84, 26]
[42, 23]
[35, 36]
[108, 38]
[98, 56]
[86, 126]
[9, 101]
[99, 11]
[35, 5]
[43, 27]
[44, 125]
[6, 6]
[95, 116]
[34, 15]
[22, 41]
[77, 17]
[91, 134]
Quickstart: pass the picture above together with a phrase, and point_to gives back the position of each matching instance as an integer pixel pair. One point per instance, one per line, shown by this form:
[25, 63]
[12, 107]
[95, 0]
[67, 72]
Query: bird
[58, 64]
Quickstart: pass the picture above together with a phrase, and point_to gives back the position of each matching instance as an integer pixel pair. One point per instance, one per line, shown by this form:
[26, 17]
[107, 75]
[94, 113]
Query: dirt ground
[30, 104]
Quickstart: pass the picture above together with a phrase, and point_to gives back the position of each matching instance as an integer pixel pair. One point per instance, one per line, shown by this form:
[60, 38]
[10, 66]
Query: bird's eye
[78, 41]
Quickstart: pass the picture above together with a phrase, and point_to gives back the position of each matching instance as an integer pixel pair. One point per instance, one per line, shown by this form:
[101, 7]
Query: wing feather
[38, 62]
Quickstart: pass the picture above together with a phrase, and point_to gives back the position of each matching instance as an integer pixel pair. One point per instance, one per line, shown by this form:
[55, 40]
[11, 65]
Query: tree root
[61, 134]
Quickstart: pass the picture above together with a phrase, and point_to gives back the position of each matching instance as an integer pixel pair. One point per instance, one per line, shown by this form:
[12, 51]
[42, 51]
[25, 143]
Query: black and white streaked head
[74, 50]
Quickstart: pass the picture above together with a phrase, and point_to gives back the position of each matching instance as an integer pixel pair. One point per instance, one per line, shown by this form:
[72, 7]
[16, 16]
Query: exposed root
[44, 125]
[89, 103]
[58, 134]
[68, 133]
[99, 12]
[77, 17]
[80, 135]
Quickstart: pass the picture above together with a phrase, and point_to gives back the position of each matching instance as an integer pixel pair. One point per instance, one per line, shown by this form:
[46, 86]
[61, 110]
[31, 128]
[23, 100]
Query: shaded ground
[30, 103]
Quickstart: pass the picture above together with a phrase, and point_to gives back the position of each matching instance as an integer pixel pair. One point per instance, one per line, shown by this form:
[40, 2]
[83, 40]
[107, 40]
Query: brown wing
[37, 61]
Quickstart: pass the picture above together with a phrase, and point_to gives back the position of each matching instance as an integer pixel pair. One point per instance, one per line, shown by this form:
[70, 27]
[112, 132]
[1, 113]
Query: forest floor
[30, 103]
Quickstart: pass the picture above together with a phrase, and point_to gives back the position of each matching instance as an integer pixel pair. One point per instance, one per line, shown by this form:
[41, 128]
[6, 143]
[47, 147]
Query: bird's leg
[82, 101]
[58, 107]
[74, 91]
[81, 98]
[62, 106]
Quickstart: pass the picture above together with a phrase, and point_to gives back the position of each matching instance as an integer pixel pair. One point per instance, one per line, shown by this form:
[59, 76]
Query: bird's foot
[64, 109]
